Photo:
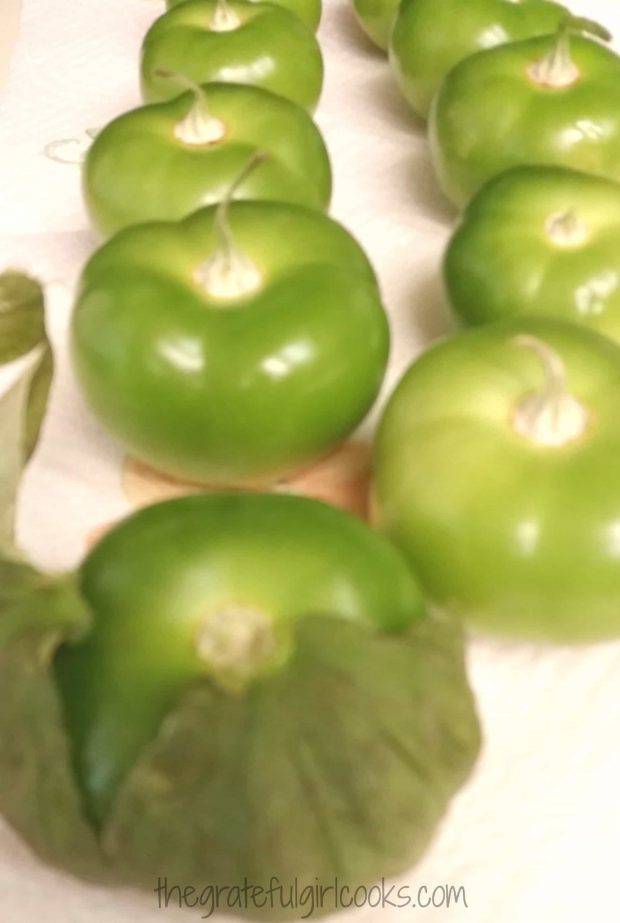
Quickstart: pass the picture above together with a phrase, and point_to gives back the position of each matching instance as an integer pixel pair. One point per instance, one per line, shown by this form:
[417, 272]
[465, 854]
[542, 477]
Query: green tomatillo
[256, 693]
[376, 17]
[552, 100]
[234, 347]
[308, 10]
[166, 160]
[431, 36]
[233, 41]
[211, 587]
[541, 241]
[496, 472]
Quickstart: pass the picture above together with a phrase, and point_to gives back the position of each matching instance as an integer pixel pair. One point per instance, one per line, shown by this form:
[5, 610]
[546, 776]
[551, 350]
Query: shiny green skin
[137, 170]
[152, 581]
[489, 116]
[234, 391]
[308, 10]
[502, 262]
[431, 36]
[376, 17]
[520, 540]
[272, 48]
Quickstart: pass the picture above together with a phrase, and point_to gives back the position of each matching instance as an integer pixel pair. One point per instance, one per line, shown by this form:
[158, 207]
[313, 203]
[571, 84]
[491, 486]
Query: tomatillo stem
[236, 643]
[199, 126]
[557, 69]
[224, 19]
[229, 273]
[552, 416]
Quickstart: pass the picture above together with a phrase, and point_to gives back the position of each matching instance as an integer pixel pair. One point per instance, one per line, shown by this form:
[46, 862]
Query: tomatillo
[308, 10]
[211, 587]
[497, 473]
[233, 41]
[165, 160]
[234, 347]
[553, 100]
[376, 17]
[431, 36]
[539, 240]
[248, 667]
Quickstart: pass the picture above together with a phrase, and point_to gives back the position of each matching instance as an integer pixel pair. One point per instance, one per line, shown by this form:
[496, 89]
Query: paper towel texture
[535, 836]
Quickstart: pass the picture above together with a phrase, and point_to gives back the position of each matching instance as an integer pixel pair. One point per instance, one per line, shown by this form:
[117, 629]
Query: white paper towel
[535, 836]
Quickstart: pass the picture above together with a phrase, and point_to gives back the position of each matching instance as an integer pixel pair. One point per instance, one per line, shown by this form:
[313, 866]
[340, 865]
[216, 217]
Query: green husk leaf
[37, 611]
[36, 406]
[22, 326]
[22, 407]
[37, 789]
[341, 765]
[32, 603]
